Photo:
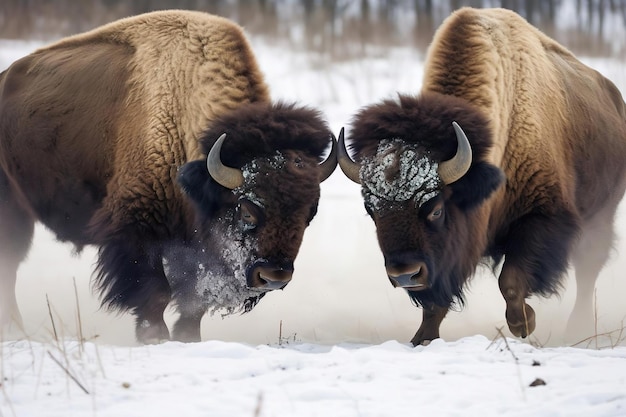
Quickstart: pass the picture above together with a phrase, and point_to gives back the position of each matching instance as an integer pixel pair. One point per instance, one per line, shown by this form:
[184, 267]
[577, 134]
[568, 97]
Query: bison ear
[196, 182]
[476, 185]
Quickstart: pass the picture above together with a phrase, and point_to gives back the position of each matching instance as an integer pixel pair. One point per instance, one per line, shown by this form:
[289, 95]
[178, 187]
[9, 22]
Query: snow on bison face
[251, 222]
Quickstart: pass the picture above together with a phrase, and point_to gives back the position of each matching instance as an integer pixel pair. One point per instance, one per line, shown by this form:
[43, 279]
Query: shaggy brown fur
[93, 131]
[260, 129]
[555, 128]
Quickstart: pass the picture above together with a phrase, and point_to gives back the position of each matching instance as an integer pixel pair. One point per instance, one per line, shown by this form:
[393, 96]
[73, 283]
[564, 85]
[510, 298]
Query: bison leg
[590, 255]
[520, 317]
[191, 308]
[536, 253]
[188, 300]
[133, 279]
[187, 327]
[150, 328]
[431, 321]
[16, 234]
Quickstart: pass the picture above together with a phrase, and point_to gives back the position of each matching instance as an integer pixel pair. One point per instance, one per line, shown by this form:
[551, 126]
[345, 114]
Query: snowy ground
[289, 356]
[468, 377]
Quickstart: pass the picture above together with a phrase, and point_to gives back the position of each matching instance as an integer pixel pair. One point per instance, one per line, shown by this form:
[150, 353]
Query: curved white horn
[223, 175]
[330, 163]
[454, 168]
[347, 165]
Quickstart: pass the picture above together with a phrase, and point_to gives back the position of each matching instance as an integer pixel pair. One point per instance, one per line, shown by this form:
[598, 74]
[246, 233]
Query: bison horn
[453, 169]
[226, 176]
[330, 163]
[347, 165]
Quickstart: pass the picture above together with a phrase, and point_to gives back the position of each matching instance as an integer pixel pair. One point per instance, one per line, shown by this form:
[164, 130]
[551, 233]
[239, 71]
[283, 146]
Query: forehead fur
[287, 179]
[425, 120]
[260, 129]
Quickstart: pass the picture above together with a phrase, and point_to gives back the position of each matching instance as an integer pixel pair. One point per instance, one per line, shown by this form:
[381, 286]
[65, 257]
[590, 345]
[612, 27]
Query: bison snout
[269, 276]
[413, 277]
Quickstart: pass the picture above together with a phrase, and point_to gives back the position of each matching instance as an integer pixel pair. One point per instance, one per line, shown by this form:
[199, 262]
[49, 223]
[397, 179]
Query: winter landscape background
[335, 341]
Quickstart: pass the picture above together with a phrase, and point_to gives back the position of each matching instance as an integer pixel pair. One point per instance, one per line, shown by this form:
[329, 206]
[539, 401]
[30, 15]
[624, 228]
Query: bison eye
[250, 215]
[433, 210]
[436, 213]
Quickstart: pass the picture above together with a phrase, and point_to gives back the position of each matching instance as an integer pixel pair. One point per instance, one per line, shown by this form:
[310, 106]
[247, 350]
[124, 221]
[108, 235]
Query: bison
[513, 152]
[154, 138]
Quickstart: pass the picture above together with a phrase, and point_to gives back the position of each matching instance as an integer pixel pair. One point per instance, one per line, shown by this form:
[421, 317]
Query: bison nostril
[411, 277]
[275, 280]
[418, 272]
[269, 277]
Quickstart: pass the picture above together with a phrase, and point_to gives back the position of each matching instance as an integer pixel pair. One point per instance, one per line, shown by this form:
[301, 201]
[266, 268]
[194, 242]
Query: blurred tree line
[339, 29]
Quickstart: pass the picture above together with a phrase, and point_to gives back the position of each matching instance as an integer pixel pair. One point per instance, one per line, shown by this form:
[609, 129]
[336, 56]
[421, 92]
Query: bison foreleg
[520, 317]
[16, 233]
[151, 300]
[536, 255]
[150, 328]
[590, 254]
[187, 328]
[10, 317]
[132, 279]
[429, 329]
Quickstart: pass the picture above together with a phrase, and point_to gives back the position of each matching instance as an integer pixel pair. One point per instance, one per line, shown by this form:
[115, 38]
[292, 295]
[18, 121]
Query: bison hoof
[152, 333]
[423, 342]
[186, 334]
[422, 338]
[521, 321]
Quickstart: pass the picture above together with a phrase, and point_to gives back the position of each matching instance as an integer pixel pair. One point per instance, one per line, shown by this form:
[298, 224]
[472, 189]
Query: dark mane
[425, 119]
[259, 129]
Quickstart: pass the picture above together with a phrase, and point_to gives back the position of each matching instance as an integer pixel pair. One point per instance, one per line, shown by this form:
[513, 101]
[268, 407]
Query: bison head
[255, 194]
[422, 169]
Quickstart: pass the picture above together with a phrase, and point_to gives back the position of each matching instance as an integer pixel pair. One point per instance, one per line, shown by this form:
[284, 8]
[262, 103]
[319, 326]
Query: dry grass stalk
[81, 339]
[54, 329]
[595, 314]
[619, 335]
[500, 335]
[67, 371]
